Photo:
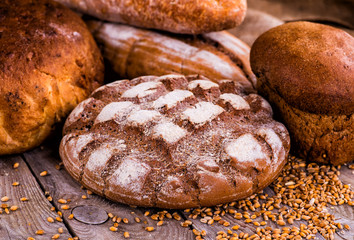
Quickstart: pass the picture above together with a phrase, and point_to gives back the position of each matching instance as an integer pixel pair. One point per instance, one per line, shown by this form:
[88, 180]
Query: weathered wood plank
[61, 186]
[244, 227]
[32, 214]
[344, 214]
[337, 11]
[255, 23]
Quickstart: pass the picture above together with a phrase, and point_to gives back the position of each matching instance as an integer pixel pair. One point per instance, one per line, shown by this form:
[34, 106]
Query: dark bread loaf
[173, 142]
[135, 52]
[306, 71]
[178, 16]
[49, 62]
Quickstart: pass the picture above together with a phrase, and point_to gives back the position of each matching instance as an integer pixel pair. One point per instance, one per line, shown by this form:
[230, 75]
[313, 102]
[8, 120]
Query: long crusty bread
[135, 52]
[178, 16]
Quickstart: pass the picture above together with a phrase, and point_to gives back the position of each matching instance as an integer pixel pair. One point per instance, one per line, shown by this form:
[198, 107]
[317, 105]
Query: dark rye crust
[311, 66]
[173, 142]
[306, 71]
[49, 62]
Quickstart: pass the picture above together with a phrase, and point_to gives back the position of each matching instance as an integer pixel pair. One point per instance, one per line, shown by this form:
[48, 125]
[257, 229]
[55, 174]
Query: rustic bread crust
[179, 16]
[173, 142]
[327, 139]
[135, 52]
[306, 71]
[49, 62]
[310, 65]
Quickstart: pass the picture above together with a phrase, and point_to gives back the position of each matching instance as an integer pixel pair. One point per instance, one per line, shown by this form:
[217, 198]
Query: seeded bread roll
[49, 62]
[173, 142]
[135, 52]
[178, 16]
[306, 71]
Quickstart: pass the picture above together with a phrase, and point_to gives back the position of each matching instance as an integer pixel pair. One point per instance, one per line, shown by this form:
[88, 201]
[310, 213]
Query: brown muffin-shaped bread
[178, 16]
[306, 71]
[173, 142]
[49, 62]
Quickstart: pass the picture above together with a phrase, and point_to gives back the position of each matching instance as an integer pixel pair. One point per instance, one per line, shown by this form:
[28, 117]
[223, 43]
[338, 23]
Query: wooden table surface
[32, 214]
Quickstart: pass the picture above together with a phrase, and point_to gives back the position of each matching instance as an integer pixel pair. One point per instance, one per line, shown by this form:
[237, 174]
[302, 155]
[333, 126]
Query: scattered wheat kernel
[15, 183]
[13, 208]
[89, 192]
[226, 224]
[52, 209]
[4, 205]
[60, 230]
[137, 219]
[16, 165]
[30, 238]
[5, 199]
[49, 198]
[23, 199]
[110, 215]
[149, 229]
[115, 224]
[113, 229]
[44, 173]
[71, 216]
[146, 213]
[62, 201]
[125, 220]
[176, 216]
[159, 223]
[346, 226]
[65, 207]
[236, 227]
[196, 232]
[40, 232]
[59, 219]
[126, 234]
[7, 211]
[50, 219]
[84, 197]
[56, 236]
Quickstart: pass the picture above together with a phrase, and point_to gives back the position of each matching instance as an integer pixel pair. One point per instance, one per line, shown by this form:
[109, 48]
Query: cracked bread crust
[173, 142]
[321, 138]
[49, 62]
[306, 71]
[178, 16]
[309, 65]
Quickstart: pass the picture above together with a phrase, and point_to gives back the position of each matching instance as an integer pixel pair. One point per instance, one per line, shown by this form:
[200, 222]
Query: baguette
[137, 52]
[178, 16]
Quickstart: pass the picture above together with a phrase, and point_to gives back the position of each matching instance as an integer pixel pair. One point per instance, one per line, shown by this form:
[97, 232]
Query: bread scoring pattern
[173, 142]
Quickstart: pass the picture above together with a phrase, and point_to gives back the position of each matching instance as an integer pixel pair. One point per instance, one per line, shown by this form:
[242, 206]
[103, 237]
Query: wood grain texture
[32, 214]
[61, 186]
[345, 213]
[255, 23]
[336, 11]
[249, 228]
